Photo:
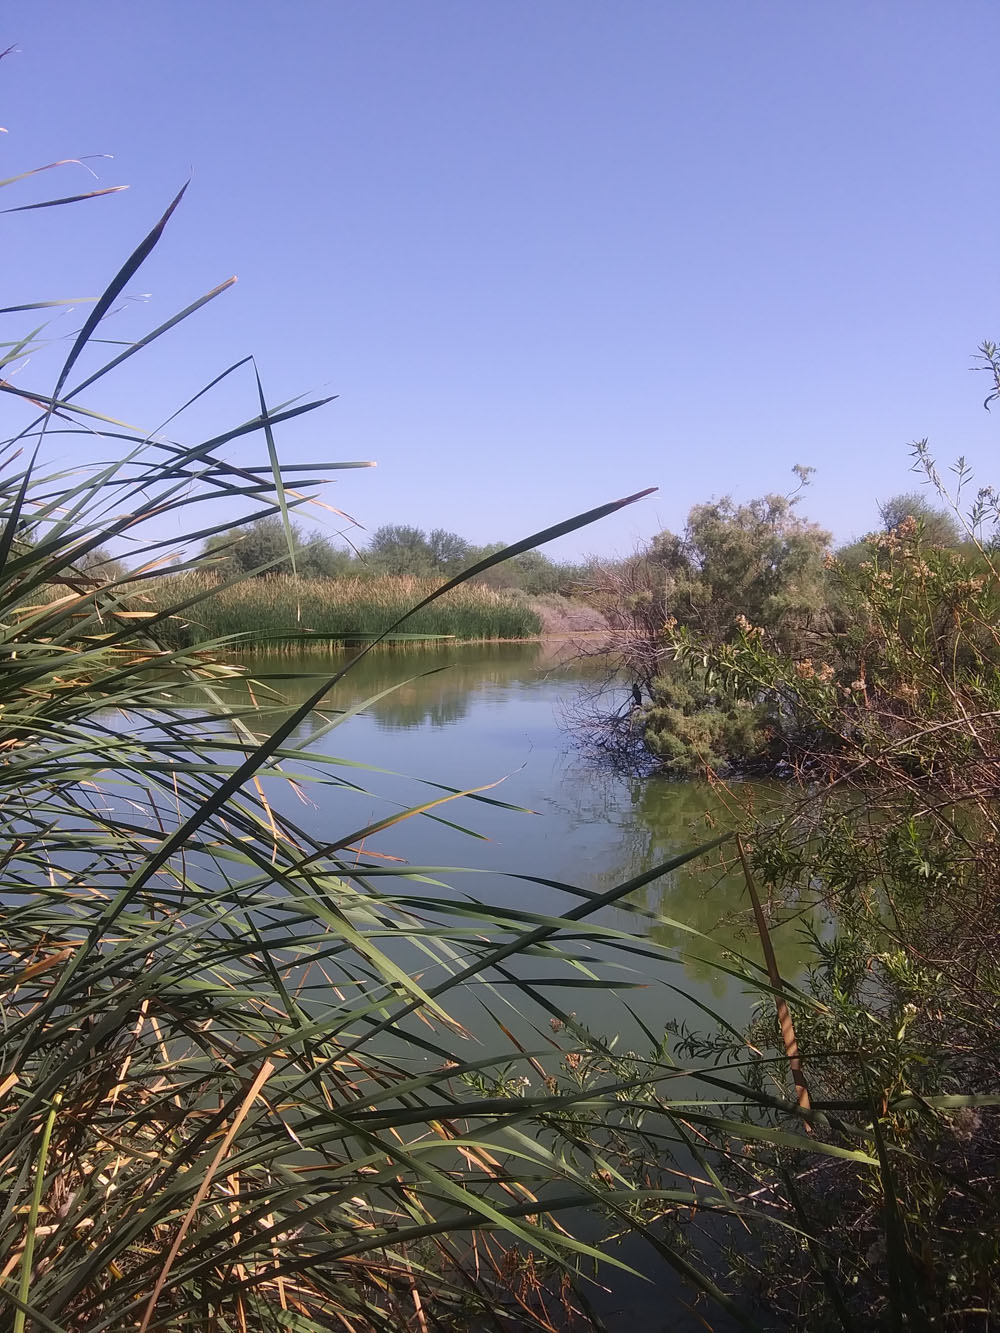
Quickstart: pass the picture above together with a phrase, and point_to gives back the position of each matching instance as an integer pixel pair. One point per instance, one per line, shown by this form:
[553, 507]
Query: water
[468, 716]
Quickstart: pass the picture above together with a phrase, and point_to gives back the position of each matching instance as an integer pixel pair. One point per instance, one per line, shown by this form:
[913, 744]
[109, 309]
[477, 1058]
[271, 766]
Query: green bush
[893, 720]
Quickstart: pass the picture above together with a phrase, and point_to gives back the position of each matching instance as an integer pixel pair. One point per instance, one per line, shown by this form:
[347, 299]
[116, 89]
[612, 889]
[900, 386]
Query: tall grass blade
[785, 1024]
[118, 283]
[68, 199]
[28, 1255]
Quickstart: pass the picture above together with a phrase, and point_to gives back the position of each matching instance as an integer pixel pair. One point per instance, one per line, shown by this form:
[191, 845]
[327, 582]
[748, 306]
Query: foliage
[896, 710]
[270, 610]
[691, 725]
[101, 564]
[760, 560]
[265, 547]
[261, 548]
[938, 526]
[901, 1061]
[757, 563]
[537, 575]
[448, 551]
[908, 991]
[233, 1094]
[744, 637]
[402, 550]
[917, 646]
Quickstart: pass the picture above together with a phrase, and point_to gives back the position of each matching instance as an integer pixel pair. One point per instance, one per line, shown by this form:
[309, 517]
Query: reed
[281, 609]
[233, 1091]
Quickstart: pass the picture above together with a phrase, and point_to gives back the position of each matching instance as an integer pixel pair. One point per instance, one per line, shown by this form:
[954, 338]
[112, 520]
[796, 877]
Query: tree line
[261, 549]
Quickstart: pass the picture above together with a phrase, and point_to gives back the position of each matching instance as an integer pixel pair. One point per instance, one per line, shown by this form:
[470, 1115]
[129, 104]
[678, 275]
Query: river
[472, 715]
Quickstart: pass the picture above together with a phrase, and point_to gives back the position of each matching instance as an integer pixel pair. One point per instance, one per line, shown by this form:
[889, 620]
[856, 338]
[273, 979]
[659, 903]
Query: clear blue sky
[547, 251]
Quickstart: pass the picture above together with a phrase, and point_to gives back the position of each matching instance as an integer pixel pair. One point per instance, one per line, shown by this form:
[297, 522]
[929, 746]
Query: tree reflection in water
[597, 828]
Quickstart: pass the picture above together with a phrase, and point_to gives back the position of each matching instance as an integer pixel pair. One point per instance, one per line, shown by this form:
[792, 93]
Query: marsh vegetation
[262, 1067]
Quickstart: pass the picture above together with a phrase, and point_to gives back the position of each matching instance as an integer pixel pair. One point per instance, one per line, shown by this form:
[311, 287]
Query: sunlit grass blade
[148, 338]
[46, 305]
[118, 283]
[67, 199]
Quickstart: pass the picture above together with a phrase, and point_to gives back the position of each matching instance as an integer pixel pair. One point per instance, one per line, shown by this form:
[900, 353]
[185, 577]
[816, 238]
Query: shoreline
[320, 644]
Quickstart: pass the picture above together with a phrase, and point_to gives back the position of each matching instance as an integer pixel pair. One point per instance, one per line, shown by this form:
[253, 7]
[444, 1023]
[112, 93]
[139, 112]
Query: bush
[894, 722]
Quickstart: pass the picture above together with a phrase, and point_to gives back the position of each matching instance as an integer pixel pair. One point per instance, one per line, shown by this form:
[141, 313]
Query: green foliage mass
[938, 527]
[690, 724]
[760, 560]
[261, 611]
[263, 547]
[703, 619]
[758, 564]
[915, 638]
[266, 547]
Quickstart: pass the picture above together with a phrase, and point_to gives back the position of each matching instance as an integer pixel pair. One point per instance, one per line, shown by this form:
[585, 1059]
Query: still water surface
[471, 715]
[467, 716]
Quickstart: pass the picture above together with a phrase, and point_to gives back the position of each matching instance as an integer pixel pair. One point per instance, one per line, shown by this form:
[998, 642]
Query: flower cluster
[750, 631]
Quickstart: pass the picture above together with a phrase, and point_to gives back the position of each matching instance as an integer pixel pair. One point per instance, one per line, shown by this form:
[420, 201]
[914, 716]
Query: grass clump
[272, 609]
[231, 1092]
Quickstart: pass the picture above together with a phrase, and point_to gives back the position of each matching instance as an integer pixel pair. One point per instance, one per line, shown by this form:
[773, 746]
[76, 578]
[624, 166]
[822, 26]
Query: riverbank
[279, 609]
[565, 616]
[272, 609]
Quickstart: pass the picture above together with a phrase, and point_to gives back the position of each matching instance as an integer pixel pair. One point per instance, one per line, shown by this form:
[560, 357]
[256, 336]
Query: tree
[260, 548]
[760, 561]
[101, 564]
[532, 572]
[757, 567]
[399, 549]
[939, 528]
[318, 558]
[449, 552]
[254, 548]
[500, 576]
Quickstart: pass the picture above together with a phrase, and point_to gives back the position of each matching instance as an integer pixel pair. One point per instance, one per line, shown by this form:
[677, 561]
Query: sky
[547, 252]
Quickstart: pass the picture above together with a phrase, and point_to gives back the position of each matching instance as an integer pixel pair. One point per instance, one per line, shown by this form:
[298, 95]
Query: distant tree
[500, 576]
[449, 552]
[101, 564]
[261, 548]
[939, 528]
[318, 558]
[532, 572]
[851, 554]
[399, 549]
[535, 573]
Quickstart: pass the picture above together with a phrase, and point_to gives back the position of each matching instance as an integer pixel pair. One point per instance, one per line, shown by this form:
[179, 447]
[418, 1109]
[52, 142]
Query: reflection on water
[708, 895]
[427, 686]
[473, 714]
[466, 716]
